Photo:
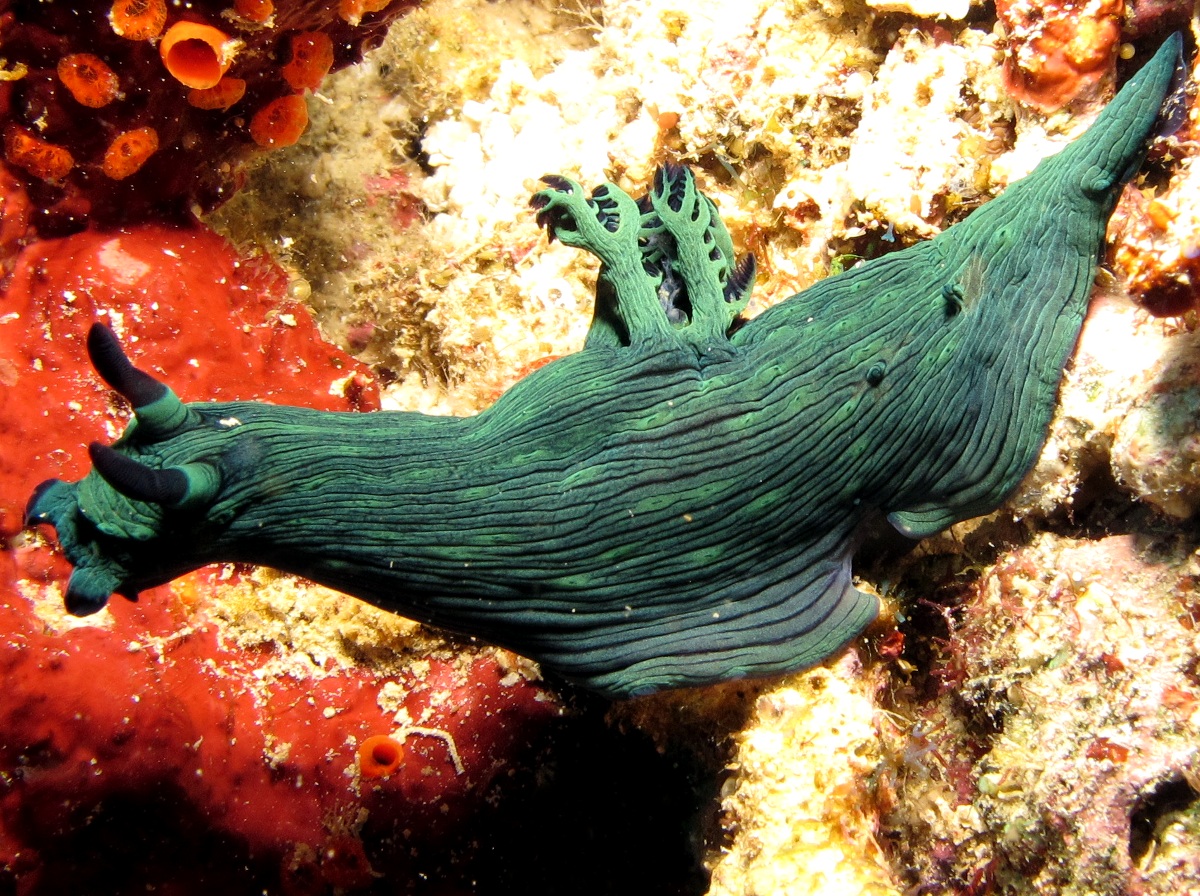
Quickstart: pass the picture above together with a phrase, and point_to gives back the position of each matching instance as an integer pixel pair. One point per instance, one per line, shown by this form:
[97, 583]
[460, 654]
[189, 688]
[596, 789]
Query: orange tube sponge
[379, 756]
[254, 10]
[196, 54]
[129, 152]
[49, 161]
[280, 122]
[226, 92]
[312, 58]
[90, 81]
[138, 19]
[352, 11]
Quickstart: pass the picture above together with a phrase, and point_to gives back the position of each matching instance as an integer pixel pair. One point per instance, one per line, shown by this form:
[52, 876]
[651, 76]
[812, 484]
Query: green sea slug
[678, 502]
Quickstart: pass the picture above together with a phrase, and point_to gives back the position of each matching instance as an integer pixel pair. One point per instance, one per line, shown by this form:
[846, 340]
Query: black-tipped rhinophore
[557, 182]
[80, 603]
[671, 180]
[32, 515]
[136, 480]
[109, 359]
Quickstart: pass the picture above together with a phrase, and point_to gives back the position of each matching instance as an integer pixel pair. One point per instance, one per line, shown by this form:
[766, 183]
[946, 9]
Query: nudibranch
[678, 502]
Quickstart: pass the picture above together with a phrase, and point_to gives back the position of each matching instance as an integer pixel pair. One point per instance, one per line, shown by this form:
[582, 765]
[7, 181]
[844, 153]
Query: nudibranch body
[677, 503]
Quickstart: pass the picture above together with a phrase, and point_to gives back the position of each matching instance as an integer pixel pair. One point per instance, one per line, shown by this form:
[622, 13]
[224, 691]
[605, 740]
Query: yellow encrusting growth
[317, 629]
[800, 807]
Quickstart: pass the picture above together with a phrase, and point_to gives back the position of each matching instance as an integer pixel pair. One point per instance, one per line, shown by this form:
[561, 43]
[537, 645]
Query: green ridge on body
[677, 503]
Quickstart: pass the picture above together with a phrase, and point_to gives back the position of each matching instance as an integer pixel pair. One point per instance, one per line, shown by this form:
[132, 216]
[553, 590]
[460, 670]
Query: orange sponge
[138, 19]
[49, 161]
[254, 10]
[312, 58]
[226, 92]
[196, 54]
[90, 81]
[129, 152]
[352, 11]
[379, 756]
[280, 122]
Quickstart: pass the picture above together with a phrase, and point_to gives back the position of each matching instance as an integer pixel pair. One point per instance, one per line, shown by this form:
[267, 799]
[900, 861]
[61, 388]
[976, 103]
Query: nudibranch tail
[1113, 148]
[1174, 112]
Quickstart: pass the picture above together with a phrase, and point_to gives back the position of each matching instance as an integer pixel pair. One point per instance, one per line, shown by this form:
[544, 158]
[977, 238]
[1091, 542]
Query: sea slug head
[132, 522]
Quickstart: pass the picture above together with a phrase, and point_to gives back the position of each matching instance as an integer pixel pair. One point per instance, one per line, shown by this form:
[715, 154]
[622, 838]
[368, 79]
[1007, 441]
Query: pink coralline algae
[151, 749]
[1062, 749]
[152, 722]
[1059, 51]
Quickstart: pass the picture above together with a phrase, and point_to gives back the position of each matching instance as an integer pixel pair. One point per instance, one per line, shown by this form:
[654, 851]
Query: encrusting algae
[796, 795]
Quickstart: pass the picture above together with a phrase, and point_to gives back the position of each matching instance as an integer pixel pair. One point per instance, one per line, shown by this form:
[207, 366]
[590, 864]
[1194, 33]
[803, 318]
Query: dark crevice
[1169, 797]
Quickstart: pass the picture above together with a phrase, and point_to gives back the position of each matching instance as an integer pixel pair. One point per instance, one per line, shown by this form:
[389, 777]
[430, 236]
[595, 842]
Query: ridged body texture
[678, 502]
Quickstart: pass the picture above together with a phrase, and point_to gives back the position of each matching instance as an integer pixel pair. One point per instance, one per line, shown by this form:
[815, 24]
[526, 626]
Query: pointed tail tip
[1172, 113]
[34, 511]
[1163, 70]
[1112, 150]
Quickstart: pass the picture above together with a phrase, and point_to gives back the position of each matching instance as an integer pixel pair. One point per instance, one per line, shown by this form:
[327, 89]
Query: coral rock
[798, 805]
[1065, 760]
